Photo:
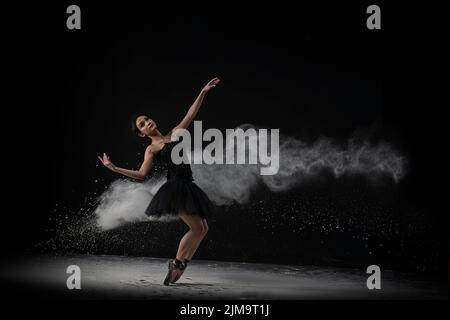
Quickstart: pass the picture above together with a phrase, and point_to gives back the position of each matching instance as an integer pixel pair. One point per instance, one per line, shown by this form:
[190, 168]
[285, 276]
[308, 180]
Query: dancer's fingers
[100, 158]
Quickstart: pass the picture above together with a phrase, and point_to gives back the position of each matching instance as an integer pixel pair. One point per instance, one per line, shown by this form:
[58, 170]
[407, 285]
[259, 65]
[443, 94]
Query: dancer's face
[145, 125]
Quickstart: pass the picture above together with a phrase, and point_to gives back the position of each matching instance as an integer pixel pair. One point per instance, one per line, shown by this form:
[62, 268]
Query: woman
[179, 196]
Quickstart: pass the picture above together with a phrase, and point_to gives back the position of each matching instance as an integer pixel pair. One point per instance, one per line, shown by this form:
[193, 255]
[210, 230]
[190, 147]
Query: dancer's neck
[157, 136]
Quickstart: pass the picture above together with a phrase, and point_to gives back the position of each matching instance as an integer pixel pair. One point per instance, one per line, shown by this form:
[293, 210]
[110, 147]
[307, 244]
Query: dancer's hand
[211, 84]
[107, 162]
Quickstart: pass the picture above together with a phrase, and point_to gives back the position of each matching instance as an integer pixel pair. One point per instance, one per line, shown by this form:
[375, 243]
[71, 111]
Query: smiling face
[145, 126]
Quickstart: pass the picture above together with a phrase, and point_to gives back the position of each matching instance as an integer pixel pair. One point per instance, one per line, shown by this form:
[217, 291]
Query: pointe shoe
[181, 267]
[178, 275]
[170, 274]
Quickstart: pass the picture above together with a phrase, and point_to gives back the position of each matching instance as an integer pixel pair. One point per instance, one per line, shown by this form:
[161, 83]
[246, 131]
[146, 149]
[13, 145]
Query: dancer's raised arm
[192, 112]
[135, 174]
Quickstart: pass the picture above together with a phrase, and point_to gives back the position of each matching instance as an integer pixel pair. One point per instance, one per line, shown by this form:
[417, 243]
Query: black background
[310, 70]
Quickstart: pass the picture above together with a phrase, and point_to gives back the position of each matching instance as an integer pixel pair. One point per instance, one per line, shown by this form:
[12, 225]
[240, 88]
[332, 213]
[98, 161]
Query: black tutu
[179, 194]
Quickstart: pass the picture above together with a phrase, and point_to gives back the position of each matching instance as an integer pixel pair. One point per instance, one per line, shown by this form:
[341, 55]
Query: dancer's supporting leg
[195, 246]
[190, 242]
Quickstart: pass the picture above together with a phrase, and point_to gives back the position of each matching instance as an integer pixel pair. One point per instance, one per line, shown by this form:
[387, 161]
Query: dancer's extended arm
[135, 174]
[193, 110]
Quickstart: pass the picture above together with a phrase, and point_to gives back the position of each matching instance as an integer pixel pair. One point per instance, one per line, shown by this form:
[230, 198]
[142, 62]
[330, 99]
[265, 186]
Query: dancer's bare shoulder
[150, 151]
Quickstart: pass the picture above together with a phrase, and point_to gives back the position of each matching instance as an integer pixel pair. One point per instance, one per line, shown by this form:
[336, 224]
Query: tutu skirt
[180, 196]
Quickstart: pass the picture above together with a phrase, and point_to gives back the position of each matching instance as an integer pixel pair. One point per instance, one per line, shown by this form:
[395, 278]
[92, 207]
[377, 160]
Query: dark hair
[134, 128]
